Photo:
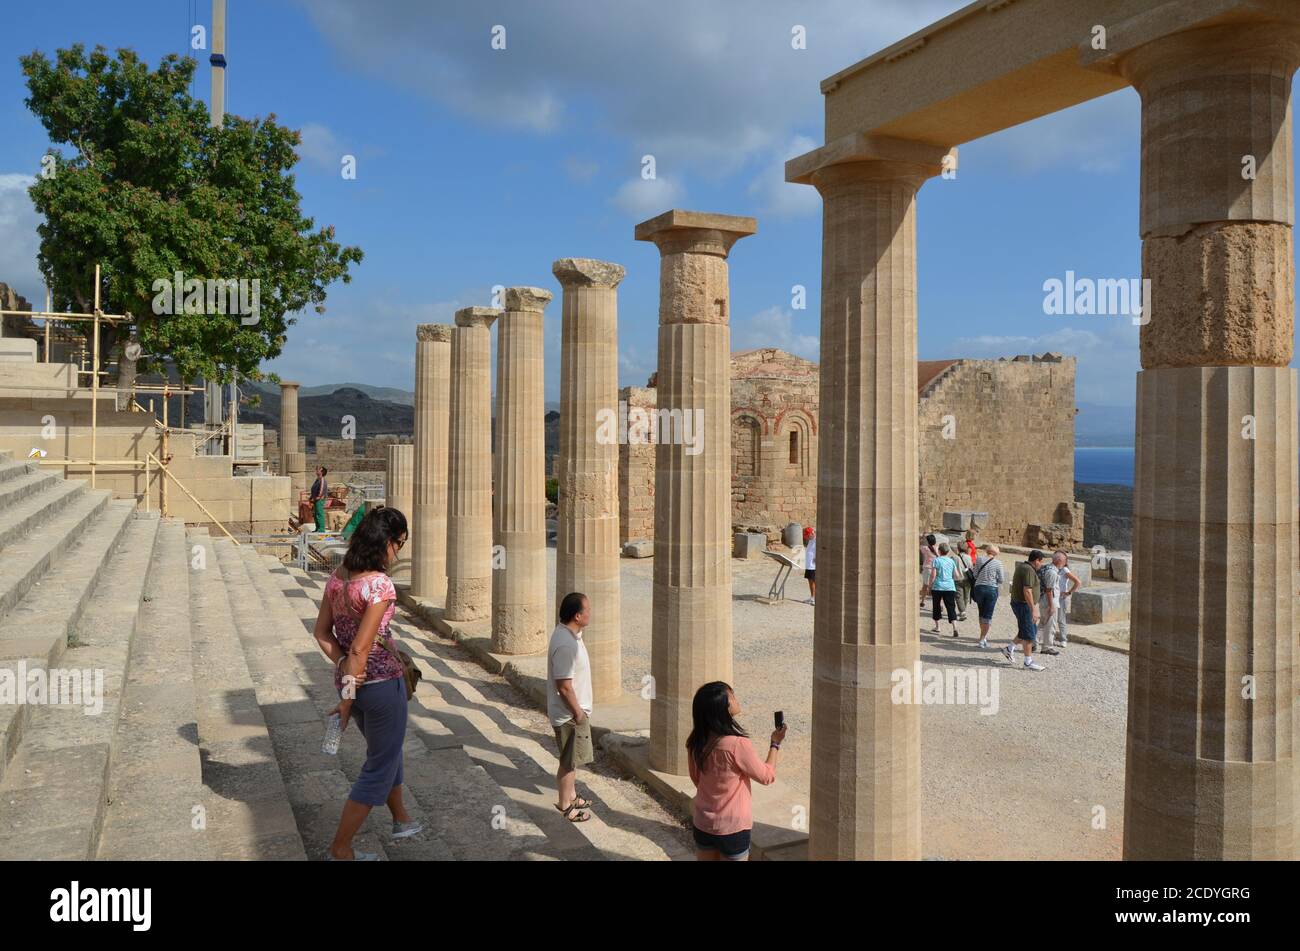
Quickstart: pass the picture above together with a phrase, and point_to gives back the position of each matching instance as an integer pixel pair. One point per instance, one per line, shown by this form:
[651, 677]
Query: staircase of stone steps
[496, 757]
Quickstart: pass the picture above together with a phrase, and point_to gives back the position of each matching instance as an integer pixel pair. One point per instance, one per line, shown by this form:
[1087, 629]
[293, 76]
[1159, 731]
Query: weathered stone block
[748, 545]
[1121, 568]
[639, 548]
[1100, 605]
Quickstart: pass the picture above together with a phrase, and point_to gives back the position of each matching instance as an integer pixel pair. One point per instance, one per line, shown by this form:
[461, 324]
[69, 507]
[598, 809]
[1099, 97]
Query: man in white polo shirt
[568, 702]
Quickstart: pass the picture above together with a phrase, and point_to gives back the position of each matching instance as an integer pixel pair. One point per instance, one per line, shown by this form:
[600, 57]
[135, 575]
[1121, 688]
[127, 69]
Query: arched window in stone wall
[746, 438]
[796, 435]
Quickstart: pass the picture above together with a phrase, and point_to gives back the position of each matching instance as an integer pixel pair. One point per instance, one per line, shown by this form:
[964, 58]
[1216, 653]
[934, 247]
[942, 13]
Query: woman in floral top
[352, 630]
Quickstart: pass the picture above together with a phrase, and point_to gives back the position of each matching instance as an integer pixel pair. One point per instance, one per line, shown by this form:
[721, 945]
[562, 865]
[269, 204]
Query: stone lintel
[861, 147]
[527, 299]
[695, 232]
[477, 316]
[440, 333]
[588, 272]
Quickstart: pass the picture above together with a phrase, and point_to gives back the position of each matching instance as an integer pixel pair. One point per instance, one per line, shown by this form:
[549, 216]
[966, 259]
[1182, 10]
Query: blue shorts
[1026, 629]
[379, 712]
[734, 846]
[986, 596]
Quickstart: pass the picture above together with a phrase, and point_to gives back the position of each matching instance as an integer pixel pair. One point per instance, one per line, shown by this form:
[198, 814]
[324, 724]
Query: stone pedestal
[521, 622]
[1212, 712]
[866, 757]
[399, 493]
[432, 405]
[691, 629]
[469, 477]
[586, 542]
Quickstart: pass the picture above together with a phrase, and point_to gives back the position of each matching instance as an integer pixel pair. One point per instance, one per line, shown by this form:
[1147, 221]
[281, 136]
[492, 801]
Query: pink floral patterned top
[349, 600]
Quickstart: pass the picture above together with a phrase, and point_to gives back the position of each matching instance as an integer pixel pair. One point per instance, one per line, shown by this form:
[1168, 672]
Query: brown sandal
[574, 813]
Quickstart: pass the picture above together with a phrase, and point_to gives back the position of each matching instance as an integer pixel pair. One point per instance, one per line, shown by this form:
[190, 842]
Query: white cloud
[711, 86]
[321, 146]
[778, 197]
[642, 198]
[775, 327]
[18, 223]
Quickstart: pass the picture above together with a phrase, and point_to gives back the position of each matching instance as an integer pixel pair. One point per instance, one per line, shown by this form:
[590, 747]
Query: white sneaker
[1006, 652]
[1034, 665]
[983, 642]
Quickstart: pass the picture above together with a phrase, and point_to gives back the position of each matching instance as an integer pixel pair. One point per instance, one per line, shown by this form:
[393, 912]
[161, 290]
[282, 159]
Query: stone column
[399, 493]
[586, 544]
[521, 622]
[865, 786]
[432, 402]
[293, 463]
[1212, 709]
[469, 477]
[691, 629]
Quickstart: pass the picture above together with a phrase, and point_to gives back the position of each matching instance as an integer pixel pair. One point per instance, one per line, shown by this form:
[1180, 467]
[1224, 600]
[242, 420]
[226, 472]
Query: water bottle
[333, 733]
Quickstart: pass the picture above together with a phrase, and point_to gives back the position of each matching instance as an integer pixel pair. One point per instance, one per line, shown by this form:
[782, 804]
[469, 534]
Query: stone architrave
[691, 627]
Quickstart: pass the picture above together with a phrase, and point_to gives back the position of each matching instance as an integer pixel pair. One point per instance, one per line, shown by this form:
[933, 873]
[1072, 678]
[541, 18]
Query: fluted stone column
[521, 623]
[292, 462]
[399, 493]
[469, 477]
[691, 629]
[432, 403]
[1212, 712]
[865, 785]
[586, 544]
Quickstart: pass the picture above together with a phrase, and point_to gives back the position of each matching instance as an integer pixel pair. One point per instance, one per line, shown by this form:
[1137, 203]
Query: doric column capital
[527, 299]
[476, 316]
[695, 232]
[288, 385]
[1150, 62]
[861, 158]
[588, 272]
[438, 333]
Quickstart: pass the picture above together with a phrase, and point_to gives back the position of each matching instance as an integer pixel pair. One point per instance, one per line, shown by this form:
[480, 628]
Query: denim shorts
[986, 596]
[1026, 629]
[734, 846]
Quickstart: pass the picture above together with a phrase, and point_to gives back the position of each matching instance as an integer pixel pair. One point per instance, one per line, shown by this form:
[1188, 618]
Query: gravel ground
[1022, 783]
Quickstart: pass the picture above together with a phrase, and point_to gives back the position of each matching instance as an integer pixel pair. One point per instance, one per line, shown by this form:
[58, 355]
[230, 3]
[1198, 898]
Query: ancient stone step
[62, 511]
[467, 814]
[13, 468]
[21, 486]
[496, 738]
[52, 797]
[37, 630]
[19, 515]
[293, 703]
[249, 814]
[156, 807]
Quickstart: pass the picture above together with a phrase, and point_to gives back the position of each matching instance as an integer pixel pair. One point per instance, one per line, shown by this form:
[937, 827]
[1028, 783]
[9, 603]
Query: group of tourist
[352, 629]
[953, 576]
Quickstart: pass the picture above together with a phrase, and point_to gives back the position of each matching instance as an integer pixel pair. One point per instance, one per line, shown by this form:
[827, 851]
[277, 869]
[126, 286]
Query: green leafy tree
[153, 189]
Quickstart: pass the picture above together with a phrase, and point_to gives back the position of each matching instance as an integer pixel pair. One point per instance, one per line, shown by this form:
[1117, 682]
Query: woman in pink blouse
[722, 763]
[352, 630]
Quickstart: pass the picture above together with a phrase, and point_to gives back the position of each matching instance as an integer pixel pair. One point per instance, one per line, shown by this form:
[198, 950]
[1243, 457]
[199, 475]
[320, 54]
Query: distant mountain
[322, 415]
[1104, 425]
[390, 393]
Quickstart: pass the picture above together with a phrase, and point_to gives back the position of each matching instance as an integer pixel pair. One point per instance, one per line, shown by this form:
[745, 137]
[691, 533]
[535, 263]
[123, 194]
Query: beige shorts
[575, 744]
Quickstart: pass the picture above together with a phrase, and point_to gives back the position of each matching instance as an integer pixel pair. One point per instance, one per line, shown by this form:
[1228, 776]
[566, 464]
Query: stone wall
[636, 474]
[773, 439]
[997, 436]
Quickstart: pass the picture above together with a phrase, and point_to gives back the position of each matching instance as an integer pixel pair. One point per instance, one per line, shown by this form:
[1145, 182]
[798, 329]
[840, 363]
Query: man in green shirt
[1024, 604]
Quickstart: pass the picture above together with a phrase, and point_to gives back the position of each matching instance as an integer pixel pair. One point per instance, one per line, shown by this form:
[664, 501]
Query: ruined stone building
[996, 436]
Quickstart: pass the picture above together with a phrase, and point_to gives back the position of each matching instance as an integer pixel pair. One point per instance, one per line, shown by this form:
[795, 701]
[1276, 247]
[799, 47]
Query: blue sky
[478, 167]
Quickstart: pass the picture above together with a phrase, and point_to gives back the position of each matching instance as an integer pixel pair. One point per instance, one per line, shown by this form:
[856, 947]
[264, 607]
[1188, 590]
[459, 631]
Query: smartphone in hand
[779, 718]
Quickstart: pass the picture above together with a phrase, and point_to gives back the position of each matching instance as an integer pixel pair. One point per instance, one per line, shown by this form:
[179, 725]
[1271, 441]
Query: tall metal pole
[212, 397]
[94, 389]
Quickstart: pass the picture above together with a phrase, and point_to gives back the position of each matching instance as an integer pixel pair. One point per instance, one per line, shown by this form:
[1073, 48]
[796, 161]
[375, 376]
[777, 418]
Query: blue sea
[1112, 464]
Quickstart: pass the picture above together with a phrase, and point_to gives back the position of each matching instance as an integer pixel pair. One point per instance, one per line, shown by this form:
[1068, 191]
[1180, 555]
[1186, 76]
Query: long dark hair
[368, 550]
[711, 720]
